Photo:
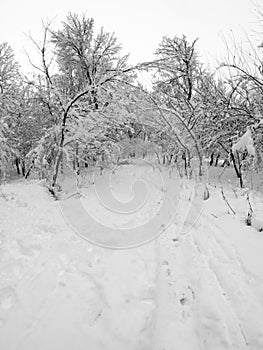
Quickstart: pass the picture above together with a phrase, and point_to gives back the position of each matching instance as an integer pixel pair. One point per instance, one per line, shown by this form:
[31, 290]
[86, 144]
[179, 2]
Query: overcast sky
[139, 24]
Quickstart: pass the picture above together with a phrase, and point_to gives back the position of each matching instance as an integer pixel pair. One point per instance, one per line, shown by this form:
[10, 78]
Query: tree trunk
[23, 169]
[57, 164]
[29, 169]
[185, 162]
[61, 165]
[158, 158]
[200, 162]
[62, 136]
[237, 168]
[211, 159]
[77, 158]
[217, 159]
[17, 161]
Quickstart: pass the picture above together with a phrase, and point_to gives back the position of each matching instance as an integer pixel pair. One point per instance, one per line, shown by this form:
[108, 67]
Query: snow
[245, 142]
[194, 287]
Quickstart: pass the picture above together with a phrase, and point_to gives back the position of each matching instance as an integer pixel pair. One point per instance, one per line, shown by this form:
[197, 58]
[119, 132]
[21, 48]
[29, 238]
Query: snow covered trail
[199, 291]
[211, 286]
[57, 291]
[217, 275]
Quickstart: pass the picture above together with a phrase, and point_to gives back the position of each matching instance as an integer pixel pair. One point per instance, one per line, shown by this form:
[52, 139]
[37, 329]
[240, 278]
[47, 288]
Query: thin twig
[249, 203]
[225, 199]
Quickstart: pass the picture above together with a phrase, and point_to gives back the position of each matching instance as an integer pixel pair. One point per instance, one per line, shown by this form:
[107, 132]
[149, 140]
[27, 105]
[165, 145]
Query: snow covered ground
[200, 288]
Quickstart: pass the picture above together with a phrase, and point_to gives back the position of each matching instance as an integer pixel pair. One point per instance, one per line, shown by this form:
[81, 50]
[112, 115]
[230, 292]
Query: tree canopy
[84, 102]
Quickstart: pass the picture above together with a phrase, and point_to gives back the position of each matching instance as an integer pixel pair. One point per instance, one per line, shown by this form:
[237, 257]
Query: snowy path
[209, 299]
[57, 291]
[201, 290]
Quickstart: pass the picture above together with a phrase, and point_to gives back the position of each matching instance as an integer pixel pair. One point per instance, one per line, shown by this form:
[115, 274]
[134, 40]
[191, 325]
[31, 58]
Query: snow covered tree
[243, 68]
[178, 72]
[9, 92]
[89, 66]
[9, 69]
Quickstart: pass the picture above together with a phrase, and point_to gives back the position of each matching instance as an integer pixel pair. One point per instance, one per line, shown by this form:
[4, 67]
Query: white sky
[139, 24]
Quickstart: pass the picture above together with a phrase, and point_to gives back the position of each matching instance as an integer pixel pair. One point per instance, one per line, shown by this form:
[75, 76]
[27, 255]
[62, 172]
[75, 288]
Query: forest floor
[195, 289]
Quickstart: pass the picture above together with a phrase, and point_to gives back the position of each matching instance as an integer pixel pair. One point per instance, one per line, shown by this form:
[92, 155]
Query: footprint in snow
[46, 231]
[29, 251]
[7, 297]
[176, 241]
[186, 301]
[93, 313]
[20, 203]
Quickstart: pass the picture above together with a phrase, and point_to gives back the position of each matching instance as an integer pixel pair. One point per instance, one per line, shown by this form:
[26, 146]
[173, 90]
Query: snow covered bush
[245, 143]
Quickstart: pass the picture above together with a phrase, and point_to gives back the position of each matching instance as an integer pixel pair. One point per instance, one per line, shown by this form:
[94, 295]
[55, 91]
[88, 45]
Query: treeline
[84, 103]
